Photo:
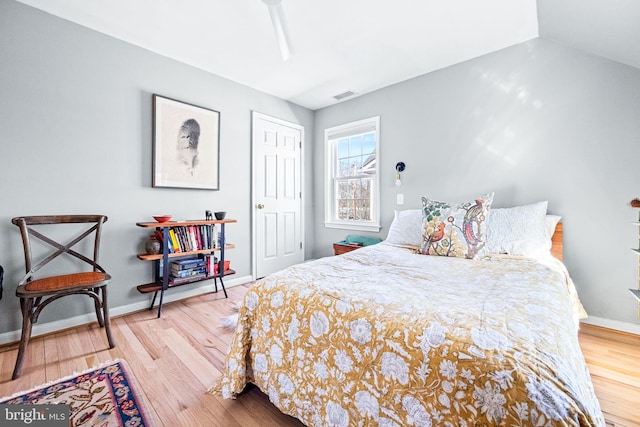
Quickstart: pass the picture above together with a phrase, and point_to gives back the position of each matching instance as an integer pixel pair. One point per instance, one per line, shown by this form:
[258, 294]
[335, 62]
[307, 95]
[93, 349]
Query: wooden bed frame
[556, 242]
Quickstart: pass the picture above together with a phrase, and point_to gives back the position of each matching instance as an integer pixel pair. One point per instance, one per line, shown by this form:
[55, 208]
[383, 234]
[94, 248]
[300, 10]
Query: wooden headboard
[556, 242]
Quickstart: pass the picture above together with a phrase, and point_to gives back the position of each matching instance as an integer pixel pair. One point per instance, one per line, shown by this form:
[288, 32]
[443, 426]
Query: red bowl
[162, 218]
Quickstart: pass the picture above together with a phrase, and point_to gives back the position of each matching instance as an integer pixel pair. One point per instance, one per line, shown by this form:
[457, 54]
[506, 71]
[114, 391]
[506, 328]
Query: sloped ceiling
[350, 45]
[607, 28]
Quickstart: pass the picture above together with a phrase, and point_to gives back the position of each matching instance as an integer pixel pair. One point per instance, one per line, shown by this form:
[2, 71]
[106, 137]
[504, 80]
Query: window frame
[331, 137]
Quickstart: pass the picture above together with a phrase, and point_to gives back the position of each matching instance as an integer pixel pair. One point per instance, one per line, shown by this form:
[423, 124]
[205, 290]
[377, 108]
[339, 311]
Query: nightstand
[343, 247]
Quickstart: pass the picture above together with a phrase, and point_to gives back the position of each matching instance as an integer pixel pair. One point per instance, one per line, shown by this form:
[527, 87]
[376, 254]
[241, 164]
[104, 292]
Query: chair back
[29, 229]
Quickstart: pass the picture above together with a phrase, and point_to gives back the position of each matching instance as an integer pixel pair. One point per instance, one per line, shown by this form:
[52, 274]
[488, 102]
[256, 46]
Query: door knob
[260, 206]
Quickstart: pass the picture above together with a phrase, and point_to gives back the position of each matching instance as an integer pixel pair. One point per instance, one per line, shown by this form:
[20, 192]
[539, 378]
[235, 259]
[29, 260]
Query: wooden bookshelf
[161, 282]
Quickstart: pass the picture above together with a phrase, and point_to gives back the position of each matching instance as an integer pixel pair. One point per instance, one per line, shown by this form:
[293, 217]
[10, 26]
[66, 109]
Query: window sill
[351, 226]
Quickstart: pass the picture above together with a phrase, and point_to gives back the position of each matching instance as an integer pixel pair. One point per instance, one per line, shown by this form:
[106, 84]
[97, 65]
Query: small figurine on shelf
[208, 216]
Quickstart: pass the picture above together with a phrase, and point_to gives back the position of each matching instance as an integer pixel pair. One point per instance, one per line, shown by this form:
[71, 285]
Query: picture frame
[186, 145]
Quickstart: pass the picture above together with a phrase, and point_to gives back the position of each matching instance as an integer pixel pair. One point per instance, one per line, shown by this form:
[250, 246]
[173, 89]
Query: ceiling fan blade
[279, 27]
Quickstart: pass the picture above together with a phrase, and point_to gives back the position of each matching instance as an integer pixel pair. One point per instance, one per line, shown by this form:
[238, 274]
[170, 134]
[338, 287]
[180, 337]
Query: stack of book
[187, 270]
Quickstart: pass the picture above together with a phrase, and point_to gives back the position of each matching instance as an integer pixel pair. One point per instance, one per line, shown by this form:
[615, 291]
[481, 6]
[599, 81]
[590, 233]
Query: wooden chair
[35, 294]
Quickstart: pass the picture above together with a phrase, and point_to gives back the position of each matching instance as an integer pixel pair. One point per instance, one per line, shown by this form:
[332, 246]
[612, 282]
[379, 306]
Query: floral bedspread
[383, 336]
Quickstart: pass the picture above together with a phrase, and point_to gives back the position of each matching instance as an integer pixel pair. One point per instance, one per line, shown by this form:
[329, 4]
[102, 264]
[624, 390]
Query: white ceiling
[337, 45]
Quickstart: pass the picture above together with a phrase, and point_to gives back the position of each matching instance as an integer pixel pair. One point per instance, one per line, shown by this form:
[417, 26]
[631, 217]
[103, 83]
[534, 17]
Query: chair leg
[107, 321]
[97, 306]
[26, 304]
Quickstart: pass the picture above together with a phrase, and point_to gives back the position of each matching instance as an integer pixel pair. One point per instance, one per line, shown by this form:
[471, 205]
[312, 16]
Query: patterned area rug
[104, 396]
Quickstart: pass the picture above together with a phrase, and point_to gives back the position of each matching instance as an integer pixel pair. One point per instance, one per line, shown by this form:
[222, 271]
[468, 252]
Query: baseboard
[618, 325]
[186, 292]
[83, 319]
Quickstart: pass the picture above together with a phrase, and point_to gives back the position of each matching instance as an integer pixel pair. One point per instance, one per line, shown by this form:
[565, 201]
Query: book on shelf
[183, 264]
[187, 261]
[204, 230]
[174, 240]
[193, 235]
[200, 237]
[192, 238]
[188, 267]
[188, 272]
[183, 261]
[177, 239]
[176, 271]
[182, 239]
[210, 260]
[181, 280]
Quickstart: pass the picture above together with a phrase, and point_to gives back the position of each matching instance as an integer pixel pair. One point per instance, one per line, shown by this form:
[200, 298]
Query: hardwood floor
[613, 359]
[177, 357]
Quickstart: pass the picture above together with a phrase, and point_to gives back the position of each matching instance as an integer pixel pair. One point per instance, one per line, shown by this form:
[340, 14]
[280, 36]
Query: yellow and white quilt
[383, 336]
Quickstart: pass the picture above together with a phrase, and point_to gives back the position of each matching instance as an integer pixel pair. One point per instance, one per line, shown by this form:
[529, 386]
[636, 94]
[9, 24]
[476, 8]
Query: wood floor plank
[192, 359]
[134, 348]
[176, 358]
[52, 366]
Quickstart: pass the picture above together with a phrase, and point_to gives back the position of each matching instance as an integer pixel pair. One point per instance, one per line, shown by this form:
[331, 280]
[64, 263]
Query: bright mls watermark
[34, 415]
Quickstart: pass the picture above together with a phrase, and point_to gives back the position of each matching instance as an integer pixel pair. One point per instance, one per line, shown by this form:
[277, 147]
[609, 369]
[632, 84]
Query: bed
[387, 336]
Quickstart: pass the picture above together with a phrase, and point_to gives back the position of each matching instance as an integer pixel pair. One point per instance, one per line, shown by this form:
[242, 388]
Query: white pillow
[406, 228]
[520, 230]
[550, 222]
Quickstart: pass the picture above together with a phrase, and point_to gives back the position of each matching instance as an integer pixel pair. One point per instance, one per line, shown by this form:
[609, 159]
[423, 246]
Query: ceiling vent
[344, 95]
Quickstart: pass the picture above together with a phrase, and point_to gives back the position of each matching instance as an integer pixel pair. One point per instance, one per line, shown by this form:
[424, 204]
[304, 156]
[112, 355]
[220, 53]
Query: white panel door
[277, 194]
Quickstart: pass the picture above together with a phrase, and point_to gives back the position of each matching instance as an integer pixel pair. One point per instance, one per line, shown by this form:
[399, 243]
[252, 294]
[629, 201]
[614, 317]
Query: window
[351, 175]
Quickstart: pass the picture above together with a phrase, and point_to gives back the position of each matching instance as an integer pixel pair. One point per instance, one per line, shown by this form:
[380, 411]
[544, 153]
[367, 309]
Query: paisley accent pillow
[455, 230]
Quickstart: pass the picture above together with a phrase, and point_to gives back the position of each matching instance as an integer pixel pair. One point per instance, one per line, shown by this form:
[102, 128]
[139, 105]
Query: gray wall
[537, 121]
[76, 137]
[532, 122]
